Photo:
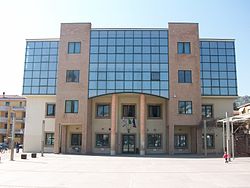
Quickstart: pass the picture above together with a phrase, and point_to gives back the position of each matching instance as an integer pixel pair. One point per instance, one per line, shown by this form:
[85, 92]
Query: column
[171, 139]
[113, 124]
[142, 124]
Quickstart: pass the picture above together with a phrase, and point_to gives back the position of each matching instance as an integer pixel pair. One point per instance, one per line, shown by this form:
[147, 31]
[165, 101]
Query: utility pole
[232, 134]
[13, 136]
[205, 137]
[227, 133]
[8, 126]
[42, 138]
[223, 136]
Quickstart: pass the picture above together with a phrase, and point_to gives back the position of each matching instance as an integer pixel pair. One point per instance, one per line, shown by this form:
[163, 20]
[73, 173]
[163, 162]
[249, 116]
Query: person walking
[17, 147]
[225, 156]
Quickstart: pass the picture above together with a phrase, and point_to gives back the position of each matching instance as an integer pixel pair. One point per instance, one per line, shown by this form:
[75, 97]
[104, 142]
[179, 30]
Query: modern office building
[10, 104]
[114, 91]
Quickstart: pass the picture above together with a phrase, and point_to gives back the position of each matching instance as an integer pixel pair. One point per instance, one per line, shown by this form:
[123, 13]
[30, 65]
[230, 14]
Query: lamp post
[12, 136]
[42, 138]
[205, 137]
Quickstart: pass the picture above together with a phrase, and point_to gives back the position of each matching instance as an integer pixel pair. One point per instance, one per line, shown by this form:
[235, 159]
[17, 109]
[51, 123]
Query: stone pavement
[84, 171]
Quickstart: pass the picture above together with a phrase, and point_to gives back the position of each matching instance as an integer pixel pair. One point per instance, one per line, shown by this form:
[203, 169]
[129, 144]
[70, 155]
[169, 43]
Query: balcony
[4, 108]
[18, 108]
[17, 131]
[3, 131]
[3, 119]
[20, 120]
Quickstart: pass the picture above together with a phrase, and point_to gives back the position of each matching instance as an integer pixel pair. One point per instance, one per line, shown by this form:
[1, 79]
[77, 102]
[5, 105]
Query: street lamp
[13, 114]
[42, 138]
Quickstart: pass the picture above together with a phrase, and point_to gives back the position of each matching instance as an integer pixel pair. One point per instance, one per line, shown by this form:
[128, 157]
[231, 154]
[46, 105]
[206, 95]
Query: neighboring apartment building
[113, 91]
[12, 104]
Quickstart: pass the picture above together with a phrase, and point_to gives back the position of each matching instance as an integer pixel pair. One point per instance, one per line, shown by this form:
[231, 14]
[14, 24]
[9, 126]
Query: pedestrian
[225, 156]
[17, 147]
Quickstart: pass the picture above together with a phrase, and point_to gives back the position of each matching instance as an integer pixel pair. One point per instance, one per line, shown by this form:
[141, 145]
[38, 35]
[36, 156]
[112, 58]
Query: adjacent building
[115, 91]
[10, 104]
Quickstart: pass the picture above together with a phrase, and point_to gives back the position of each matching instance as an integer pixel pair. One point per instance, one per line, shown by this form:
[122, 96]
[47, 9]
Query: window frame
[109, 110]
[185, 76]
[79, 141]
[186, 141]
[102, 146]
[54, 110]
[182, 48]
[69, 72]
[154, 73]
[205, 115]
[154, 105]
[74, 50]
[186, 110]
[213, 141]
[52, 139]
[154, 147]
[123, 105]
[72, 106]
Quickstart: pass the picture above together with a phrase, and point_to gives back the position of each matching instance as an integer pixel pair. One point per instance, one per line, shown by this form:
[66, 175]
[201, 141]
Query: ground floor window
[180, 141]
[49, 139]
[154, 140]
[210, 140]
[76, 139]
[102, 140]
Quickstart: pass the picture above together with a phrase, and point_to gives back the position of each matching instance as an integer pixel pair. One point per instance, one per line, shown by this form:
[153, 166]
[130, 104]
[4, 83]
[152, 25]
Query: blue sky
[28, 19]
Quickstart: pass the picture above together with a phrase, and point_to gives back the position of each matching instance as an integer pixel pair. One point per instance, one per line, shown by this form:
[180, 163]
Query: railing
[4, 108]
[3, 131]
[3, 119]
[20, 120]
[18, 108]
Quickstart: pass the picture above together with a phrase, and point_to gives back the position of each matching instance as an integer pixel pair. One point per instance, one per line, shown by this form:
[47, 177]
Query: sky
[32, 19]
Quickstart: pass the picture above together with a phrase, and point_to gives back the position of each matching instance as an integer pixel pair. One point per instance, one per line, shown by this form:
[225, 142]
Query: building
[8, 105]
[114, 91]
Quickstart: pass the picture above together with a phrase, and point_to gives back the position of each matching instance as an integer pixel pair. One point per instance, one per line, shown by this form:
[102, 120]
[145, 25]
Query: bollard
[33, 155]
[23, 156]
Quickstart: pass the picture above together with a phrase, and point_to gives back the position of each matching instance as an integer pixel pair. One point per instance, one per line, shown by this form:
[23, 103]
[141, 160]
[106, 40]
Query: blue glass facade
[218, 68]
[40, 71]
[129, 61]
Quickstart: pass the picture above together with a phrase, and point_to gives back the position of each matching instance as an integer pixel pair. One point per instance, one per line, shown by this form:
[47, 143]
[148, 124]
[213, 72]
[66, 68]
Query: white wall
[35, 114]
[221, 105]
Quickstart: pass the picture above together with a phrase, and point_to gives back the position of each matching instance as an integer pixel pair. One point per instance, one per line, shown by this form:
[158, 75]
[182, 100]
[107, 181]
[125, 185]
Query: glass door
[128, 143]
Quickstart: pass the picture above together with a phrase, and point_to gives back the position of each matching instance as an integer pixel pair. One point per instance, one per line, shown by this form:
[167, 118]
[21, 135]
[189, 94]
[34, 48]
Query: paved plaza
[61, 171]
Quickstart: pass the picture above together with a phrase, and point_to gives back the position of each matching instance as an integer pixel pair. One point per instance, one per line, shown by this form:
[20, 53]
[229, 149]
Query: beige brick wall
[77, 32]
[180, 32]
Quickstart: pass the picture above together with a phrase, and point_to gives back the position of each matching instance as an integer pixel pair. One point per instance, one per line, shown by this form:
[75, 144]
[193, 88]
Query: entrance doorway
[128, 143]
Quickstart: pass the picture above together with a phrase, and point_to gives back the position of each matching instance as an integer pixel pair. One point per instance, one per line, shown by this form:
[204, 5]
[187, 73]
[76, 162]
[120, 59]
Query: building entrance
[128, 143]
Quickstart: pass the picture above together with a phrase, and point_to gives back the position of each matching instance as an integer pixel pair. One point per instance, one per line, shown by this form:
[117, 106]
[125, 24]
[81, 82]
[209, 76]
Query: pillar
[142, 124]
[113, 124]
[171, 139]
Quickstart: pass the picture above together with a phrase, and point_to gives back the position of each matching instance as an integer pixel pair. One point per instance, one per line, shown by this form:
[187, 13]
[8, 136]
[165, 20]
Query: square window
[103, 111]
[76, 139]
[72, 75]
[155, 76]
[71, 106]
[74, 47]
[180, 141]
[49, 139]
[102, 140]
[185, 107]
[128, 111]
[183, 48]
[154, 111]
[154, 140]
